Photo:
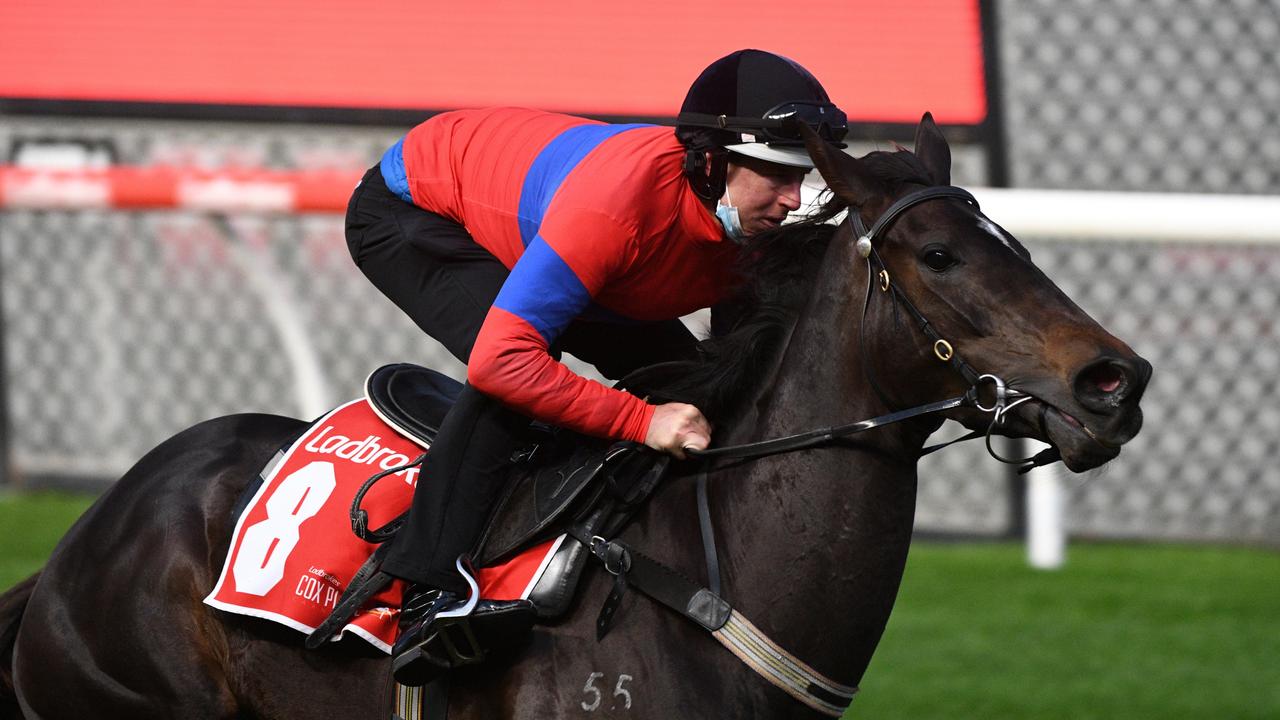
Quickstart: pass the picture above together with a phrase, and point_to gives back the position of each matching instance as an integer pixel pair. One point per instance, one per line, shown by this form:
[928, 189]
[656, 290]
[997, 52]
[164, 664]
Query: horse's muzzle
[1108, 390]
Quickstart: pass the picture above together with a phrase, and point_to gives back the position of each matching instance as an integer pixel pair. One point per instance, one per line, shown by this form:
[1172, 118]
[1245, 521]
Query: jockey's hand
[677, 426]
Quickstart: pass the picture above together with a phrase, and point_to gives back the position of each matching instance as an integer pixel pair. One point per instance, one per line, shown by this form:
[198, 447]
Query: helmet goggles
[780, 125]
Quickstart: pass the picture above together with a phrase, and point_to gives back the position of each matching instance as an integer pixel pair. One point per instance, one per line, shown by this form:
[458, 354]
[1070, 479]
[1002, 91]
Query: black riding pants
[433, 270]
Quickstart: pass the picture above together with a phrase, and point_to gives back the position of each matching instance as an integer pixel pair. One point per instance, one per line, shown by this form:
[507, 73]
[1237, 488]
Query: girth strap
[634, 569]
[782, 668]
[422, 703]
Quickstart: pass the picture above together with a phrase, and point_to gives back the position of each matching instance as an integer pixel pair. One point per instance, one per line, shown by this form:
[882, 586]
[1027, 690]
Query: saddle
[561, 484]
[561, 481]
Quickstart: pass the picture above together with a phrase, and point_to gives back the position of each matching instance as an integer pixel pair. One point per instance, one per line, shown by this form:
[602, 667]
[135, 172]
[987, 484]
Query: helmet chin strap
[707, 175]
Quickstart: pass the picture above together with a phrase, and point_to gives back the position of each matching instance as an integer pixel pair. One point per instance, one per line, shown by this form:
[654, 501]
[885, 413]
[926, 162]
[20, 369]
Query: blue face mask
[727, 214]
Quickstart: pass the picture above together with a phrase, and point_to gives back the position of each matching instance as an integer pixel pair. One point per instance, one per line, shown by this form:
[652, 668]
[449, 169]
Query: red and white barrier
[1166, 217]
[168, 188]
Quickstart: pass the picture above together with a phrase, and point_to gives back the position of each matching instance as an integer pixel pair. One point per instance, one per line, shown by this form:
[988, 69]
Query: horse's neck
[814, 541]
[821, 378]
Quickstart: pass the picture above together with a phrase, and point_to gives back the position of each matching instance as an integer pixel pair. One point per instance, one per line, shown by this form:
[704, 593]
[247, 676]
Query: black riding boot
[446, 630]
[463, 476]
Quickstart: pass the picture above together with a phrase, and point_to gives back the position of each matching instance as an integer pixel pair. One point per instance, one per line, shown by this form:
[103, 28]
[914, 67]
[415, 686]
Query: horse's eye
[938, 259]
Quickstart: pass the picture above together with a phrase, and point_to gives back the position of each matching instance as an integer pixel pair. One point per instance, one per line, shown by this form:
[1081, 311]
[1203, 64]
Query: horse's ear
[842, 172]
[932, 150]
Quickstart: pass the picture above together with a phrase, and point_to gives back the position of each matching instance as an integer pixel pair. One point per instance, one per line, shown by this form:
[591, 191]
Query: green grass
[1123, 632]
[30, 525]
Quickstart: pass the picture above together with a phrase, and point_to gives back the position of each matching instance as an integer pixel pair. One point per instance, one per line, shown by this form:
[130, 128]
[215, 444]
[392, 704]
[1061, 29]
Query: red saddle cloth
[293, 551]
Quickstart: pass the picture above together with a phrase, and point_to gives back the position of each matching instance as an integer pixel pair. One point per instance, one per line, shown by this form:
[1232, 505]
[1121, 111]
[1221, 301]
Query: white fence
[121, 328]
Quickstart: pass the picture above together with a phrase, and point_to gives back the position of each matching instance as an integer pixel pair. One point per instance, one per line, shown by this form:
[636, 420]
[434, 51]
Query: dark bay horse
[812, 543]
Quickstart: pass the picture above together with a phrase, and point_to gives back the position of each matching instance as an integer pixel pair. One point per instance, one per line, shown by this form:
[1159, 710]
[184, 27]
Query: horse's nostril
[1106, 377]
[1107, 383]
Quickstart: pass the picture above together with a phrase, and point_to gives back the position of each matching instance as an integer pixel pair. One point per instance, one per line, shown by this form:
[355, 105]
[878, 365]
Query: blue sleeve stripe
[393, 173]
[543, 291]
[552, 165]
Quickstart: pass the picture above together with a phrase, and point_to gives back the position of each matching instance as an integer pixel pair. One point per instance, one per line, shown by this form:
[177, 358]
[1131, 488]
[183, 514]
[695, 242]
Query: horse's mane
[778, 268]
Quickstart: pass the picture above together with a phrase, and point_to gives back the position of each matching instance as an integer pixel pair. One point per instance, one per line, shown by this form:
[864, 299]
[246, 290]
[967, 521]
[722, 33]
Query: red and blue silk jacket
[596, 222]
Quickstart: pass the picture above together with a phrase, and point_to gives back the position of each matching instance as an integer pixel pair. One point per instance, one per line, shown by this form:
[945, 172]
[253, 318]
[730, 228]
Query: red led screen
[882, 61]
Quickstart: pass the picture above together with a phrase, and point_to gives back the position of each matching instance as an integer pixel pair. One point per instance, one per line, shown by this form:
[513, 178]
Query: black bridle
[1005, 397]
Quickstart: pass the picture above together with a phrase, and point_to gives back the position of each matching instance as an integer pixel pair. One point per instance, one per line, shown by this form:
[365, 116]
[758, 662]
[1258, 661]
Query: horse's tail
[12, 604]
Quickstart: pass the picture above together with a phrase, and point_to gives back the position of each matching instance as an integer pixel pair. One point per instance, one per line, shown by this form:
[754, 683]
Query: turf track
[1123, 632]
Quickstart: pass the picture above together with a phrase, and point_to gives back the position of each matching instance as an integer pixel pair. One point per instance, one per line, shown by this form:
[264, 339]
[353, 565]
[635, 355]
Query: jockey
[512, 236]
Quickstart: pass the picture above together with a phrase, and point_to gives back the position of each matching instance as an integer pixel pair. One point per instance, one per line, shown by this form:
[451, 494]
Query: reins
[822, 436]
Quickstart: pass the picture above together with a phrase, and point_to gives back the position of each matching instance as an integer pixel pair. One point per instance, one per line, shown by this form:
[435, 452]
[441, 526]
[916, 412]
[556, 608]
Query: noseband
[1005, 397]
